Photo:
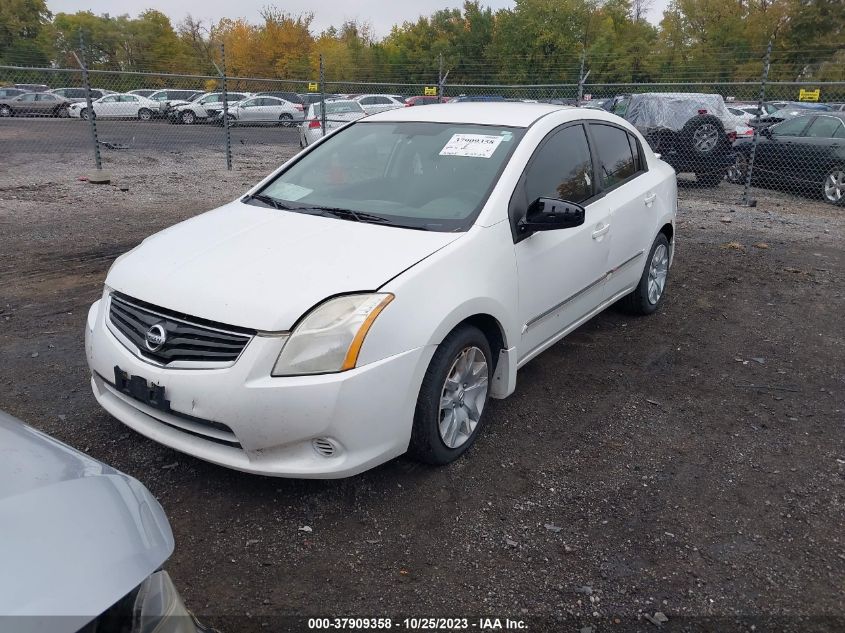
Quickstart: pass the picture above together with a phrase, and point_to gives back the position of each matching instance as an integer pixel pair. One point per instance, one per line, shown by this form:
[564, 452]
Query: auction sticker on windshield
[473, 145]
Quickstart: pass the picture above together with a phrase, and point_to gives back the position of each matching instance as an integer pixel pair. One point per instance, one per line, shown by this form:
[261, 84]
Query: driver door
[561, 272]
[107, 106]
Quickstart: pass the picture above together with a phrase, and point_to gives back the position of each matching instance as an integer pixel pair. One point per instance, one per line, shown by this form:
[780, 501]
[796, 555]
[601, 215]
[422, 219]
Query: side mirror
[548, 214]
[766, 131]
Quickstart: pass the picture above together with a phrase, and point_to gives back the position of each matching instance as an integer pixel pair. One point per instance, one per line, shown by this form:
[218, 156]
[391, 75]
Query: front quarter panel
[475, 274]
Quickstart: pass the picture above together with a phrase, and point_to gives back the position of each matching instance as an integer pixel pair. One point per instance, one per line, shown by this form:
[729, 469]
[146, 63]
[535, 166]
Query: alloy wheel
[188, 117]
[705, 138]
[834, 186]
[657, 272]
[5, 111]
[462, 397]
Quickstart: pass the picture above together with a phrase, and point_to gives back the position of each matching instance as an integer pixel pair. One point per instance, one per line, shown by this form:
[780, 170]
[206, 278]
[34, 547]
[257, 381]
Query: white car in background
[206, 108]
[116, 106]
[373, 104]
[266, 110]
[370, 296]
[339, 112]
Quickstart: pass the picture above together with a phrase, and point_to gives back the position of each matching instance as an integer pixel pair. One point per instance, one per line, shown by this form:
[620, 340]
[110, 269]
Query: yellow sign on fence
[809, 95]
[430, 91]
[313, 86]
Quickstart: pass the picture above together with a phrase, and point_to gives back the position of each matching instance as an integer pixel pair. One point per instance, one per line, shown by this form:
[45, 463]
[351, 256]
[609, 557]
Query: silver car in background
[339, 112]
[81, 543]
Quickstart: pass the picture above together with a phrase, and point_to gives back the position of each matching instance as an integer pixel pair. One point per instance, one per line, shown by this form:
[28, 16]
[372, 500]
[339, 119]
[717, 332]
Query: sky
[381, 14]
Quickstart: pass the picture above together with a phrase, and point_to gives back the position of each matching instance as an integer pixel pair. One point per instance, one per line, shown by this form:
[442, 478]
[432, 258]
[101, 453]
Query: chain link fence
[788, 136]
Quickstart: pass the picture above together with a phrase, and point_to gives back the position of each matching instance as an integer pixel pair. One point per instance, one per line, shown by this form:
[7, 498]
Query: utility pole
[746, 200]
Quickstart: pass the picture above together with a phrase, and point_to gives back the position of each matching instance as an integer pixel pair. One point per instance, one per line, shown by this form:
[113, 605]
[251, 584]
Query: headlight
[329, 338]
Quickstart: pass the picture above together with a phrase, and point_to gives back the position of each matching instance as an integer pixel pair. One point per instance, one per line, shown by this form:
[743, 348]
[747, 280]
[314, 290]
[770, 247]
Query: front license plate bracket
[138, 388]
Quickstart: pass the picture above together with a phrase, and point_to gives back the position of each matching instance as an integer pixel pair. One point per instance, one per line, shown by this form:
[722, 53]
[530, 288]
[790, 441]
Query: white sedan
[117, 106]
[370, 296]
[339, 112]
[374, 104]
[266, 110]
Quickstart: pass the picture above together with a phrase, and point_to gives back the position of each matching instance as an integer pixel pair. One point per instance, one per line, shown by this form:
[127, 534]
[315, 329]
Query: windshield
[339, 107]
[433, 176]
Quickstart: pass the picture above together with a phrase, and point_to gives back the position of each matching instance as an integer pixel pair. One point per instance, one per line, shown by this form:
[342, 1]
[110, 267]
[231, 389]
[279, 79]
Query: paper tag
[473, 145]
[289, 191]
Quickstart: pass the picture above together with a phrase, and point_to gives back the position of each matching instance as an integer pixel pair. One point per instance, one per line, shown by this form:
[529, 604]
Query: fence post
[746, 201]
[228, 134]
[440, 81]
[581, 78]
[86, 83]
[322, 97]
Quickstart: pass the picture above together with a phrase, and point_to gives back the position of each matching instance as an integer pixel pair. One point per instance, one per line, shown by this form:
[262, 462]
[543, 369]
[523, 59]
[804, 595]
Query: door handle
[650, 198]
[601, 230]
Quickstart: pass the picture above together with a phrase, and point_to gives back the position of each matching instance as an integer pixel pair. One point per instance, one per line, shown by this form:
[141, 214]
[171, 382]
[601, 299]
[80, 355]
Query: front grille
[187, 338]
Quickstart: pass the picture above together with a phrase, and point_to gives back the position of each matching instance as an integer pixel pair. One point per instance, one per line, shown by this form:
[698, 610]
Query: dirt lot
[690, 463]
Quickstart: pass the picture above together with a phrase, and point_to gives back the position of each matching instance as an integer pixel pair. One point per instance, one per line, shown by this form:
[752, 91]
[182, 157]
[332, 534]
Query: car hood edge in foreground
[262, 268]
[78, 534]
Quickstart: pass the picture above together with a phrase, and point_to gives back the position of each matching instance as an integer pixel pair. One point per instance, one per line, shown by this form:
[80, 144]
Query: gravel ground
[690, 463]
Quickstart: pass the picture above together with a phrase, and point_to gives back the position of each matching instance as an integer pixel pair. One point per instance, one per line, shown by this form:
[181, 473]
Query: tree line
[535, 41]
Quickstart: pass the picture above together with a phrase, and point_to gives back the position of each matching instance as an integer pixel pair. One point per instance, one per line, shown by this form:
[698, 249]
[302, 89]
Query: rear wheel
[61, 112]
[739, 170]
[145, 114]
[83, 114]
[648, 294]
[188, 117]
[834, 186]
[285, 119]
[453, 397]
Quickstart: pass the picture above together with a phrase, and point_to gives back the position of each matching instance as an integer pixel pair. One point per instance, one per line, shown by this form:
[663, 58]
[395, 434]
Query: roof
[479, 113]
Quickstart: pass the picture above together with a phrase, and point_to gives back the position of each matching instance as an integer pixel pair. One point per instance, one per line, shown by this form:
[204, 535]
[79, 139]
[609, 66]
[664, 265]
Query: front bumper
[282, 426]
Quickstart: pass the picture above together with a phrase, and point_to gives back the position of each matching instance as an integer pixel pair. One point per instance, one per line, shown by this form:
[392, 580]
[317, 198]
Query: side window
[616, 160]
[109, 99]
[95, 94]
[28, 97]
[824, 127]
[639, 162]
[561, 168]
[129, 98]
[44, 96]
[791, 127]
[368, 101]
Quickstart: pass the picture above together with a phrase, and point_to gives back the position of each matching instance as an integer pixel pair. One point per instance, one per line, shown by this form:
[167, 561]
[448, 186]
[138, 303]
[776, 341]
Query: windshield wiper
[346, 214]
[270, 200]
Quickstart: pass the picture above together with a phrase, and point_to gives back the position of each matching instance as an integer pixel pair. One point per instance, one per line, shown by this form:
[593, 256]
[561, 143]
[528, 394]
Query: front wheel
[5, 110]
[145, 114]
[648, 294]
[188, 117]
[834, 186]
[62, 113]
[453, 397]
[83, 114]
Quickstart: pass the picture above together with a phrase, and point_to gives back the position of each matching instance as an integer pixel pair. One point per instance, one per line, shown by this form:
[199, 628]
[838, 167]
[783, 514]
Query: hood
[261, 268]
[78, 534]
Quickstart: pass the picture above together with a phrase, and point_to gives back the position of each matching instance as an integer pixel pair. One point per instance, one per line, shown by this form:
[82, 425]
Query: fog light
[323, 446]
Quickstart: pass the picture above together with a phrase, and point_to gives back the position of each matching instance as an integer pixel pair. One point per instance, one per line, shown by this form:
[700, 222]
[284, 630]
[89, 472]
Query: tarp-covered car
[691, 131]
[82, 544]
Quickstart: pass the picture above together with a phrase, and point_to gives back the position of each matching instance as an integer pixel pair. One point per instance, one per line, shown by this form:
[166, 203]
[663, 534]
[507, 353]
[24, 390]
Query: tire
[739, 170]
[701, 139]
[62, 112]
[5, 111]
[442, 434]
[188, 117]
[640, 301]
[710, 178]
[285, 119]
[83, 114]
[145, 114]
[833, 186]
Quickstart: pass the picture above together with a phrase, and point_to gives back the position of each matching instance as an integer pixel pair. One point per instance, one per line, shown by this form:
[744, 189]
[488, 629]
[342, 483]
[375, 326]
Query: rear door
[46, 103]
[819, 146]
[561, 272]
[108, 106]
[629, 194]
